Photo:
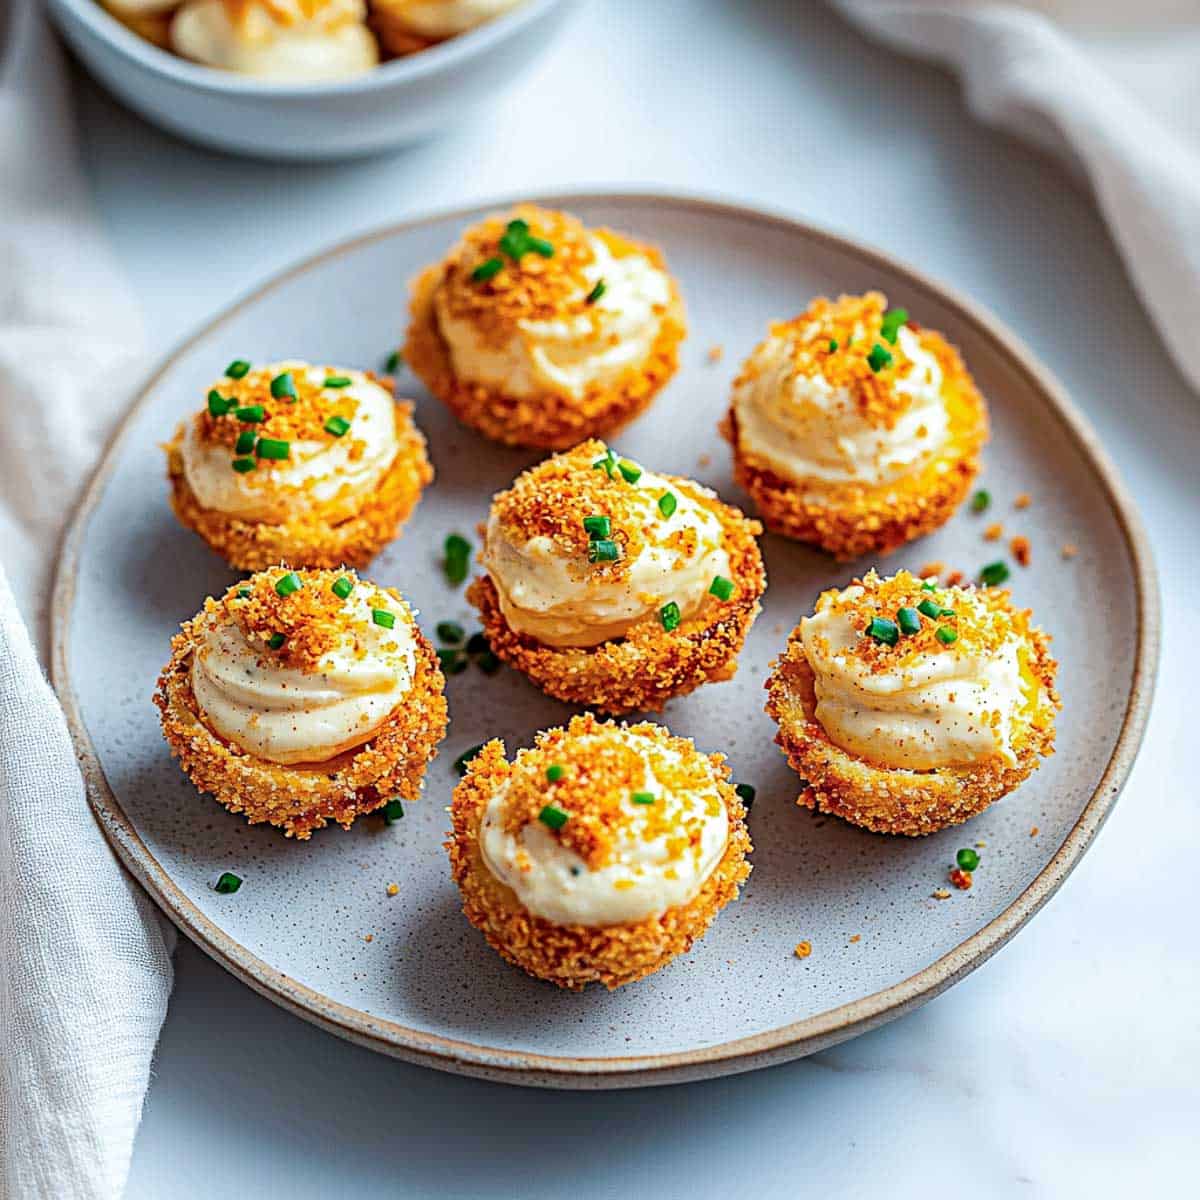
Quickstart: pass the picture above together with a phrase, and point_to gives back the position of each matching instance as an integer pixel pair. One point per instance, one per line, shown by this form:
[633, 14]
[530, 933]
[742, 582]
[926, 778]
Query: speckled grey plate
[425, 987]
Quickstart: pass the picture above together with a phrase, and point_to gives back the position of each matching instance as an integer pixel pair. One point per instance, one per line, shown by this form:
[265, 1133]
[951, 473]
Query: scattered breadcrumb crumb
[979, 845]
[716, 353]
[1020, 550]
[954, 579]
[1069, 550]
[941, 894]
[994, 532]
[704, 460]
[803, 949]
[368, 937]
[1034, 831]
[856, 938]
[1024, 500]
[931, 568]
[392, 889]
[961, 879]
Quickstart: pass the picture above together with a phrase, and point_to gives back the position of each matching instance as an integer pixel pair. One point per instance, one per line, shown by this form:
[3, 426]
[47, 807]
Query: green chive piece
[517, 226]
[393, 810]
[283, 387]
[488, 663]
[908, 620]
[667, 504]
[931, 608]
[463, 760]
[242, 465]
[746, 793]
[338, 381]
[669, 615]
[383, 618]
[552, 818]
[338, 426]
[237, 369]
[994, 573]
[596, 292]
[946, 635]
[540, 246]
[453, 661]
[217, 404]
[607, 464]
[883, 630]
[832, 345]
[892, 320]
[514, 245]
[981, 500]
[879, 358]
[245, 441]
[450, 633]
[285, 585]
[488, 270]
[721, 587]
[243, 593]
[343, 586]
[276, 640]
[249, 414]
[477, 644]
[457, 561]
[227, 883]
[273, 448]
[929, 587]
[392, 362]
[967, 859]
[597, 527]
[555, 771]
[631, 472]
[603, 550]
[642, 797]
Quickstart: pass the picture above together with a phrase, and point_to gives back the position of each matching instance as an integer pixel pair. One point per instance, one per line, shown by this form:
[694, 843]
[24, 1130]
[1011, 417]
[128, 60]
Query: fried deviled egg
[537, 331]
[405, 26]
[313, 466]
[906, 707]
[614, 587]
[303, 697]
[599, 855]
[854, 429]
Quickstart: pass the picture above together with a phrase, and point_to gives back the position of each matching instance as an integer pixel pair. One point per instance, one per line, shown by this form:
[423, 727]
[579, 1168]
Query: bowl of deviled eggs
[307, 79]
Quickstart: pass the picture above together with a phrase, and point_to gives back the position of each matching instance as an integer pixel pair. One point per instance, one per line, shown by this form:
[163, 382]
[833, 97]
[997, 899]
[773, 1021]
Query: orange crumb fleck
[954, 578]
[368, 937]
[1020, 550]
[393, 888]
[704, 460]
[994, 532]
[1034, 831]
[961, 879]
[1024, 500]
[1069, 550]
[803, 949]
[715, 353]
[931, 568]
[856, 938]
[941, 894]
[979, 845]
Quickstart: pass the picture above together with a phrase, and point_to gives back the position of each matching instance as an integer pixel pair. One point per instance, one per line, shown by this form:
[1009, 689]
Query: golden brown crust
[309, 541]
[897, 800]
[851, 520]
[643, 670]
[552, 421]
[305, 797]
[572, 956]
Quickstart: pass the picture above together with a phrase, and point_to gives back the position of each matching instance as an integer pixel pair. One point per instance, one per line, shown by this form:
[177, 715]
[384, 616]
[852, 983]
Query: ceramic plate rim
[786, 1042]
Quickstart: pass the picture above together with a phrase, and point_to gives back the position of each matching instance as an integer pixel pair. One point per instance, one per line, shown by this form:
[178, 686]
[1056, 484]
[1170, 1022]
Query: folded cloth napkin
[1108, 86]
[85, 966]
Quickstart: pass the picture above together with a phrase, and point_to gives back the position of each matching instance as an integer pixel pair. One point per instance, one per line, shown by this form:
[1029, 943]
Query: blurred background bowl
[401, 101]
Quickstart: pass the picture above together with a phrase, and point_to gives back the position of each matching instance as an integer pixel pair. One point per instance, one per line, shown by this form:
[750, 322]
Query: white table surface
[1068, 1064]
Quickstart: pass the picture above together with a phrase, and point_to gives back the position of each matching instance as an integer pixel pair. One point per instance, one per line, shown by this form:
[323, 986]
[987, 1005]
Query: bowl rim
[444, 56]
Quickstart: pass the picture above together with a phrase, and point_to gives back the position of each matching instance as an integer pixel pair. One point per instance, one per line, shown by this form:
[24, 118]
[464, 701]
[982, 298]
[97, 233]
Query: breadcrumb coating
[303, 797]
[572, 956]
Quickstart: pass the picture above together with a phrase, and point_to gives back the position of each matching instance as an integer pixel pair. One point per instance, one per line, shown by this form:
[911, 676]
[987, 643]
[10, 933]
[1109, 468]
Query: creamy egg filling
[804, 429]
[559, 599]
[662, 857]
[285, 715]
[572, 354]
[330, 475]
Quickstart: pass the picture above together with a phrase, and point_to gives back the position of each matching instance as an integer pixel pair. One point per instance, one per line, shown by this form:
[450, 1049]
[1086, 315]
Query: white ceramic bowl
[398, 102]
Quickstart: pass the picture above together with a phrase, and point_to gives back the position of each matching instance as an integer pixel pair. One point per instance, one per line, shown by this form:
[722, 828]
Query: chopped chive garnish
[243, 593]
[463, 760]
[669, 615]
[488, 663]
[555, 771]
[249, 414]
[931, 608]
[908, 620]
[393, 810]
[832, 345]
[517, 226]
[631, 472]
[245, 441]
[607, 464]
[477, 644]
[242, 465]
[642, 797]
[457, 559]
[276, 640]
[383, 618]
[746, 792]
[603, 550]
[597, 527]
[540, 246]
[721, 587]
[392, 362]
[883, 630]
[946, 635]
[338, 381]
[343, 586]
[929, 587]
[514, 245]
[488, 269]
[237, 369]
[453, 660]
[283, 387]
[879, 358]
[994, 573]
[285, 585]
[967, 859]
[892, 320]
[552, 818]
[596, 292]
[273, 448]
[450, 633]
[227, 883]
[667, 504]
[981, 500]
[218, 405]
[338, 426]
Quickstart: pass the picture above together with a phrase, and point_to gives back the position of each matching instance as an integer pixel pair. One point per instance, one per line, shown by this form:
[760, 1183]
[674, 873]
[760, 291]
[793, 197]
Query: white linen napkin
[1110, 87]
[85, 966]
